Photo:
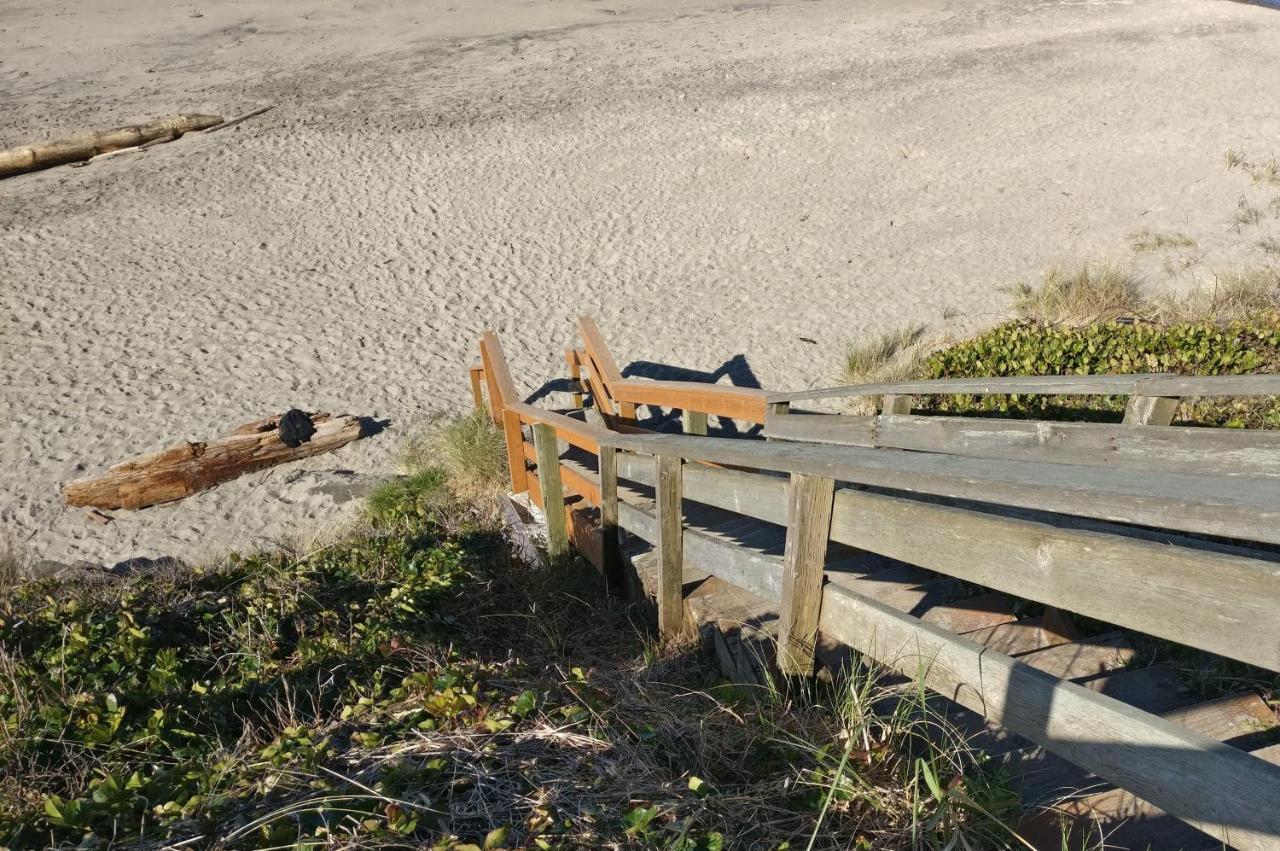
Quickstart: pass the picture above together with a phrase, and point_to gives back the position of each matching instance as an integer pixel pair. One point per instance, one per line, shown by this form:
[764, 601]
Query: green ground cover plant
[411, 685]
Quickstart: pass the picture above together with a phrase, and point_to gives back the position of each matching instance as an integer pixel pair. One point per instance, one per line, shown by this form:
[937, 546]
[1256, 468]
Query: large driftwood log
[181, 470]
[86, 145]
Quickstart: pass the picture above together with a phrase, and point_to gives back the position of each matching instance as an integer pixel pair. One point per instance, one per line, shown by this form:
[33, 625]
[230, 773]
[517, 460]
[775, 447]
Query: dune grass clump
[1148, 241]
[1262, 173]
[894, 355]
[1083, 294]
[14, 561]
[453, 466]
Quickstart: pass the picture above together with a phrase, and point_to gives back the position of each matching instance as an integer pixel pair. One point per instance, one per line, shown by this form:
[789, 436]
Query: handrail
[1138, 384]
[1231, 507]
[739, 403]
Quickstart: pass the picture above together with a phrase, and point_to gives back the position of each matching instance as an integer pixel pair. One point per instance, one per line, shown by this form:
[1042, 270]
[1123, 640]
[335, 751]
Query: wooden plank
[971, 613]
[1085, 659]
[611, 542]
[670, 545]
[573, 432]
[1233, 452]
[495, 365]
[1108, 385]
[605, 373]
[808, 524]
[693, 422]
[513, 435]
[1235, 507]
[575, 375]
[1225, 792]
[1224, 602]
[1150, 410]
[1018, 637]
[581, 481]
[477, 395]
[1145, 384]
[739, 403]
[544, 439]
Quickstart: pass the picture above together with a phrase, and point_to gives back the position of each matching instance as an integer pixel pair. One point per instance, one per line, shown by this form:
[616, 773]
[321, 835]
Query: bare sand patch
[708, 179]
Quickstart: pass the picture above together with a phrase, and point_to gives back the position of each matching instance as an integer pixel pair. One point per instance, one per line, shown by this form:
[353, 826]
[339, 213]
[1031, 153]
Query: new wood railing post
[809, 508]
[611, 543]
[548, 450]
[895, 404]
[477, 375]
[514, 436]
[1150, 410]
[669, 492]
[694, 422]
[575, 376]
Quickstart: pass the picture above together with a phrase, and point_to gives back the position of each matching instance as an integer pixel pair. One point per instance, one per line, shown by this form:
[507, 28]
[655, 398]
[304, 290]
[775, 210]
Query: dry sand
[708, 179]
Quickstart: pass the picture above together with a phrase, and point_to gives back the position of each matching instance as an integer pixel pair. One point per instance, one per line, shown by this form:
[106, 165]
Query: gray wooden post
[808, 530]
[611, 543]
[548, 451]
[1150, 410]
[669, 491]
[892, 404]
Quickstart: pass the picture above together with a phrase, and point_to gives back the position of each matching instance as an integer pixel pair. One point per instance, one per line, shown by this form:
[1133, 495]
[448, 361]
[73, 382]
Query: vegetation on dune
[414, 686]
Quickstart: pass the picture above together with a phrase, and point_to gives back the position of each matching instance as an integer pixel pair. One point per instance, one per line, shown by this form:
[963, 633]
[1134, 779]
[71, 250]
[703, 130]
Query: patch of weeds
[14, 561]
[1247, 215]
[1147, 241]
[1264, 172]
[1270, 245]
[1028, 348]
[1083, 294]
[893, 355]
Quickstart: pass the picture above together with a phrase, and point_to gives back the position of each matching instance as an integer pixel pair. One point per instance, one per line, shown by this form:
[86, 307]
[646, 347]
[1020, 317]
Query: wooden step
[1127, 821]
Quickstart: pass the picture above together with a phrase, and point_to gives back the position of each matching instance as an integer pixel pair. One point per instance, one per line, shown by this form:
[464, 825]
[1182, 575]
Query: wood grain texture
[552, 490]
[476, 374]
[1150, 410]
[1146, 384]
[187, 468]
[611, 541]
[575, 376]
[808, 525]
[892, 403]
[670, 542]
[513, 436]
[1214, 451]
[83, 146]
[693, 422]
[1222, 601]
[1234, 507]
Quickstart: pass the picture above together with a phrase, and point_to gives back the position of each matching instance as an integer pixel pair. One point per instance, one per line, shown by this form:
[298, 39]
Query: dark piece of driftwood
[182, 470]
[87, 145]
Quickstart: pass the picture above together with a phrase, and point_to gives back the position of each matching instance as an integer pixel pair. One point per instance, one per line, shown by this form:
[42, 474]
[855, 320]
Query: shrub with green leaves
[1026, 348]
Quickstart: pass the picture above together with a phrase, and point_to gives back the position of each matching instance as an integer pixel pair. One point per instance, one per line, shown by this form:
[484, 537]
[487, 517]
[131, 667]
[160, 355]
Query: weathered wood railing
[1220, 599]
[1026, 508]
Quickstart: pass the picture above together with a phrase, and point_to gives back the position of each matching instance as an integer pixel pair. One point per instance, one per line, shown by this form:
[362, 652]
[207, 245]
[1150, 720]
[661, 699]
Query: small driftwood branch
[88, 145]
[182, 470]
[231, 122]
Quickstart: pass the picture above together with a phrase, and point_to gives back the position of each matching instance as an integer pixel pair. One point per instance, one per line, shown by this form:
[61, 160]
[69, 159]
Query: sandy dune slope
[709, 179]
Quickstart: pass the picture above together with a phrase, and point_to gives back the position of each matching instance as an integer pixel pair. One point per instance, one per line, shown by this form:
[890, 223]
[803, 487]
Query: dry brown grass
[1081, 295]
[894, 355]
[1249, 293]
[14, 562]
[1148, 241]
[1262, 172]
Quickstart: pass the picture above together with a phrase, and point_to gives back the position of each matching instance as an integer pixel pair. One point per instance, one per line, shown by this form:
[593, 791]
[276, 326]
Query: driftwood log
[182, 470]
[87, 145]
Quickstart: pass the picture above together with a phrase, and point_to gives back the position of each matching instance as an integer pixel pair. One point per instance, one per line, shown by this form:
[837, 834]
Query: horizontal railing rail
[1140, 384]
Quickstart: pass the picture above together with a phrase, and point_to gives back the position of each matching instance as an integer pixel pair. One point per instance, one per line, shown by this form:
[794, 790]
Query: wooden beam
[1224, 451]
[611, 540]
[513, 435]
[1141, 384]
[575, 375]
[477, 394]
[1223, 791]
[738, 403]
[1233, 507]
[496, 365]
[577, 433]
[604, 369]
[808, 527]
[544, 440]
[670, 545]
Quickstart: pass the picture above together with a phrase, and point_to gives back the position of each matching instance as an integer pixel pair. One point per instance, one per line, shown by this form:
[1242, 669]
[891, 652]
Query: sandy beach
[709, 179]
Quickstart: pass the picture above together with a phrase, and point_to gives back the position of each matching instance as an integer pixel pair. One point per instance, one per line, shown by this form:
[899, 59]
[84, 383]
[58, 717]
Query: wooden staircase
[943, 554]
